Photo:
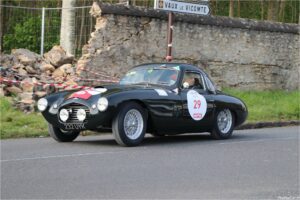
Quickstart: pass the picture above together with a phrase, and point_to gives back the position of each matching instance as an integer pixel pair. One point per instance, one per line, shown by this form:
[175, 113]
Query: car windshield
[156, 75]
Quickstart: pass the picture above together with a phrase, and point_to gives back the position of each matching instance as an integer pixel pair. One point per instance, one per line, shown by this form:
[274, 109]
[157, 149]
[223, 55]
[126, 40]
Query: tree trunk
[231, 8]
[82, 24]
[276, 12]
[213, 7]
[262, 4]
[1, 26]
[217, 11]
[281, 10]
[133, 2]
[272, 10]
[124, 2]
[239, 8]
[67, 27]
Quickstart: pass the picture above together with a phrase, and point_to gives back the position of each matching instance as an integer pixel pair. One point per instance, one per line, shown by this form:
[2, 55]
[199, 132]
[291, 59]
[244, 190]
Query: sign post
[178, 6]
[170, 37]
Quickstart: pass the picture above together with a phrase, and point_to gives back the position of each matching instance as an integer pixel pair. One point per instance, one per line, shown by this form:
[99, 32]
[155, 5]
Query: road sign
[178, 6]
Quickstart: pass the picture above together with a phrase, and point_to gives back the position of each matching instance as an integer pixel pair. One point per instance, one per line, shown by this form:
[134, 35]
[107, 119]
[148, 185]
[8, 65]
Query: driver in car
[189, 79]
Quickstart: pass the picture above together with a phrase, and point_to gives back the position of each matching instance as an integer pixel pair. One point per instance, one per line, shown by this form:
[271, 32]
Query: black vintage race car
[157, 98]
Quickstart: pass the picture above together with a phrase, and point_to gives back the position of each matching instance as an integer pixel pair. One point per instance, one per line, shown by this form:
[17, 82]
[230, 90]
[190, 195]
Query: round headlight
[81, 114]
[63, 115]
[102, 104]
[42, 104]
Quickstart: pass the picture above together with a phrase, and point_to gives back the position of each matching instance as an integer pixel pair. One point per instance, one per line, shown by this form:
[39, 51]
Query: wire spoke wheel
[133, 124]
[224, 121]
[129, 125]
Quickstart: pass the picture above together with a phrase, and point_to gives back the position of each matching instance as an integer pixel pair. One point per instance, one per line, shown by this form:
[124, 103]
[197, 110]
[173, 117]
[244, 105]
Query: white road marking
[60, 156]
[259, 140]
[115, 152]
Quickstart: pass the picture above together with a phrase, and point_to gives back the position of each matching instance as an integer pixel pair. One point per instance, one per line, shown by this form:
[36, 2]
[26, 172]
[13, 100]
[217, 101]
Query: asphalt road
[261, 163]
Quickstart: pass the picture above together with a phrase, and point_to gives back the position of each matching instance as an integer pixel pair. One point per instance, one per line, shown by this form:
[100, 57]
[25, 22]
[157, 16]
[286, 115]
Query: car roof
[183, 66]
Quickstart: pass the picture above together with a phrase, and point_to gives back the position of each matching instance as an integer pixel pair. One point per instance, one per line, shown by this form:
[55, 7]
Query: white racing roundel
[196, 104]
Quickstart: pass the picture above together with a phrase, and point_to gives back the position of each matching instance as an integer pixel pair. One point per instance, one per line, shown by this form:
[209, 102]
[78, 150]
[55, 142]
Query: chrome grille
[73, 108]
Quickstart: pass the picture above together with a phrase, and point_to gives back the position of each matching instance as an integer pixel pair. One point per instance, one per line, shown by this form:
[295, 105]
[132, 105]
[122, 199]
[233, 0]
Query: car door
[165, 111]
[197, 104]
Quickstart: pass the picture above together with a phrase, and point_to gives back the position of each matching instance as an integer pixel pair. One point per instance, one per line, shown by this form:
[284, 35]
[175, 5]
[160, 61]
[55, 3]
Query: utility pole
[170, 37]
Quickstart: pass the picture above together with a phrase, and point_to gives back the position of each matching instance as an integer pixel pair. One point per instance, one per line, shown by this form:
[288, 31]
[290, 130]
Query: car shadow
[161, 140]
[176, 139]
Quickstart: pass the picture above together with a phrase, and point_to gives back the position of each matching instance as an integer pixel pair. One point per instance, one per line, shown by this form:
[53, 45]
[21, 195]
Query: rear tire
[129, 126]
[62, 136]
[223, 124]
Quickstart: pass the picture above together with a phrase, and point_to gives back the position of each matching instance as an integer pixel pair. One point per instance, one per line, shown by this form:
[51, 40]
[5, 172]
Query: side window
[192, 80]
[210, 85]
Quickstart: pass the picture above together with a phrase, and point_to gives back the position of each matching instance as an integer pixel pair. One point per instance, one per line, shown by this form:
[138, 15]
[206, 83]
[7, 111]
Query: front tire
[129, 126]
[223, 124]
[62, 136]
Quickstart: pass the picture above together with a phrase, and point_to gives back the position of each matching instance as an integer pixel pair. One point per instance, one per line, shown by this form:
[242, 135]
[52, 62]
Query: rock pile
[56, 66]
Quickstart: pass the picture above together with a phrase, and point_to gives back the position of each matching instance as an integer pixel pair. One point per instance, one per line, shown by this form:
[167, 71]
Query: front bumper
[93, 122]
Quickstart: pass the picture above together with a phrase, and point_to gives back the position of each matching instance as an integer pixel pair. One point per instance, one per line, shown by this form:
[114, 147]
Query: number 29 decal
[197, 105]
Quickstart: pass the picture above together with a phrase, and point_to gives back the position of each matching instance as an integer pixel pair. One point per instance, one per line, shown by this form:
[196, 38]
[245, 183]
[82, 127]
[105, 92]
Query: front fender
[236, 105]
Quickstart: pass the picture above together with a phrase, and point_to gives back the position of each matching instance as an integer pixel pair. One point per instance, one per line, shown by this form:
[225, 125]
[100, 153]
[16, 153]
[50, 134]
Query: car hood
[96, 92]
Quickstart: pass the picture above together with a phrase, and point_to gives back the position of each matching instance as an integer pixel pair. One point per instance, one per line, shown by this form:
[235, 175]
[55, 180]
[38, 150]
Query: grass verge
[269, 106]
[263, 106]
[15, 124]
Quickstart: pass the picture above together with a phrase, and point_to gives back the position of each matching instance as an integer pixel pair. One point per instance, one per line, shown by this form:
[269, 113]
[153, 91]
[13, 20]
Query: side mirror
[186, 85]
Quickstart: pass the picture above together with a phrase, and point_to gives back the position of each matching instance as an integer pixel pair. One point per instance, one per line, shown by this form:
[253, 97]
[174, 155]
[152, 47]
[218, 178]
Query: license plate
[74, 126]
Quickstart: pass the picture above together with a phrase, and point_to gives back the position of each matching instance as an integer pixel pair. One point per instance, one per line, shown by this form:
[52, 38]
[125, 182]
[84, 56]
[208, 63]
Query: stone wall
[240, 53]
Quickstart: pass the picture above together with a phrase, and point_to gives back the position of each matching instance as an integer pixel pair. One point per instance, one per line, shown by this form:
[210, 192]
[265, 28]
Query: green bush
[28, 35]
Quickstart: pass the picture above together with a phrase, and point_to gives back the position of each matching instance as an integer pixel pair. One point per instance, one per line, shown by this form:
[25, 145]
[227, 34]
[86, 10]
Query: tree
[281, 10]
[134, 2]
[82, 24]
[67, 28]
[1, 26]
[231, 8]
[262, 5]
[26, 35]
[239, 8]
[272, 15]
[213, 7]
